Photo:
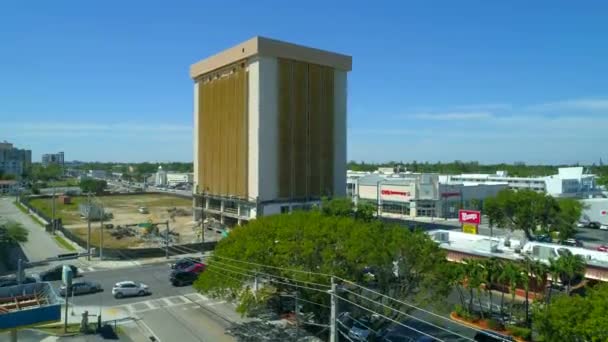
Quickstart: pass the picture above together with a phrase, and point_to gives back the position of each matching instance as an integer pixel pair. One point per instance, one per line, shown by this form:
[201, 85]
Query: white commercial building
[175, 178]
[421, 195]
[568, 182]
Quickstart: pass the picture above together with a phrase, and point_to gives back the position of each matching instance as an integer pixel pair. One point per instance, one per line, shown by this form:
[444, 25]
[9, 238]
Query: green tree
[331, 244]
[96, 186]
[337, 207]
[13, 232]
[571, 268]
[574, 318]
[528, 211]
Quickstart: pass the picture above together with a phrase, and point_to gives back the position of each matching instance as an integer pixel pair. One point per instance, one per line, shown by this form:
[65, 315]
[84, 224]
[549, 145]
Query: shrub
[462, 312]
[522, 332]
[495, 324]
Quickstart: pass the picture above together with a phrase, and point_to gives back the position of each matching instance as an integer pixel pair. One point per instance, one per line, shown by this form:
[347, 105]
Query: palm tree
[572, 267]
[512, 273]
[456, 274]
[554, 270]
[532, 269]
[493, 268]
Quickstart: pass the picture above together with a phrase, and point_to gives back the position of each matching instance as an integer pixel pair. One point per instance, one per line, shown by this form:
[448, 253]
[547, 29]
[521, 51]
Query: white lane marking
[142, 324]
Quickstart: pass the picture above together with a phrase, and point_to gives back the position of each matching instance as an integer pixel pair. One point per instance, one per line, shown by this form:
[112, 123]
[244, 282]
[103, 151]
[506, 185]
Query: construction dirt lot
[124, 210]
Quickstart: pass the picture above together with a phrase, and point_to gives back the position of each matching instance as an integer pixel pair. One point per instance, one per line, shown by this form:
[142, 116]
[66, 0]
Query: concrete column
[340, 117]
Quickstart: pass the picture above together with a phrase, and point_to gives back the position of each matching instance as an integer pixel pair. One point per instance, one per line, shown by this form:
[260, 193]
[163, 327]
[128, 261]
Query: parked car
[361, 330]
[491, 336]
[543, 238]
[129, 288]
[12, 281]
[185, 263]
[56, 272]
[572, 242]
[602, 248]
[594, 225]
[81, 287]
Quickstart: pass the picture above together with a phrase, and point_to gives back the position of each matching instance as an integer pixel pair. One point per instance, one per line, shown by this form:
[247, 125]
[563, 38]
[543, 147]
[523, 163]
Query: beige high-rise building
[269, 129]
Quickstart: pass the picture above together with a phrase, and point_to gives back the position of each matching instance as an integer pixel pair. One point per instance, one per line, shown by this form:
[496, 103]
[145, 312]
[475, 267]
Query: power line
[275, 267]
[390, 319]
[403, 313]
[342, 333]
[410, 305]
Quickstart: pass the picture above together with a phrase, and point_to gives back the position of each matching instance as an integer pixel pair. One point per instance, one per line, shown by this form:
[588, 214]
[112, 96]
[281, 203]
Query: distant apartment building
[269, 129]
[8, 187]
[53, 158]
[14, 161]
[568, 182]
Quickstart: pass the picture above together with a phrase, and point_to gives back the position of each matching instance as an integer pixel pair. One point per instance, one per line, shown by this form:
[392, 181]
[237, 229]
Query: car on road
[12, 281]
[80, 288]
[542, 238]
[56, 272]
[183, 278]
[185, 263]
[196, 268]
[129, 288]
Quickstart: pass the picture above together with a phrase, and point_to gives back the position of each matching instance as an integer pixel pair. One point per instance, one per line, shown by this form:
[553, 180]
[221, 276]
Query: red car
[602, 248]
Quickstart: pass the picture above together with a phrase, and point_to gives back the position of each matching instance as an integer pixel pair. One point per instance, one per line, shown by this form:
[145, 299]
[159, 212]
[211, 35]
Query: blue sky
[432, 80]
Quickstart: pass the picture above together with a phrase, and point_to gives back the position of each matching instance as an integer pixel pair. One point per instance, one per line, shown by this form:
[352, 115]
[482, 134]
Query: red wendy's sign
[394, 193]
[469, 216]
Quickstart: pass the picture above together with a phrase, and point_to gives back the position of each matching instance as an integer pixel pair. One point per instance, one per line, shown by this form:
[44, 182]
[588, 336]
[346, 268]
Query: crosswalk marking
[186, 301]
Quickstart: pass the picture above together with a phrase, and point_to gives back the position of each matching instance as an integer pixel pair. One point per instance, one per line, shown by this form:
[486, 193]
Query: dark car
[185, 263]
[594, 225]
[12, 281]
[491, 336]
[56, 272]
[572, 243]
[182, 278]
[543, 238]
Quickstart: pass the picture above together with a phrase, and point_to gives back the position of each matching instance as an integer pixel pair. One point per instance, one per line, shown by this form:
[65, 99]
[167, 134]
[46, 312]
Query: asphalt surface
[169, 313]
[39, 245]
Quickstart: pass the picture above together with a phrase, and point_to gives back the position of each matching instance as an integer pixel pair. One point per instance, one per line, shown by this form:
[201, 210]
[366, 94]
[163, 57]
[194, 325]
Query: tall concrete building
[53, 158]
[14, 161]
[269, 129]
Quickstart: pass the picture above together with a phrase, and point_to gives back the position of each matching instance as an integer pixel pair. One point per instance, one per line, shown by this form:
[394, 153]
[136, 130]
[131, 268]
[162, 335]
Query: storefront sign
[469, 228]
[450, 194]
[469, 216]
[395, 193]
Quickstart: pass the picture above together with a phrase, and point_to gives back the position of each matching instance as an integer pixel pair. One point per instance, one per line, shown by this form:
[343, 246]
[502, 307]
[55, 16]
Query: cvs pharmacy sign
[469, 216]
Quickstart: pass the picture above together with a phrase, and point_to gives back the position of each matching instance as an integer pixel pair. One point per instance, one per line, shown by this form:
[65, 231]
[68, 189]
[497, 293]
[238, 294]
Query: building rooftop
[270, 48]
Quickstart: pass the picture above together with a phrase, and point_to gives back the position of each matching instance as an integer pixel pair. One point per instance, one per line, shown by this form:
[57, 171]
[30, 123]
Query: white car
[129, 288]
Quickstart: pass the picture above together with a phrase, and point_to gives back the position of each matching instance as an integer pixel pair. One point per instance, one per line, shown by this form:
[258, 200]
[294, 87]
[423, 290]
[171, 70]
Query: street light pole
[88, 227]
[101, 232]
[53, 211]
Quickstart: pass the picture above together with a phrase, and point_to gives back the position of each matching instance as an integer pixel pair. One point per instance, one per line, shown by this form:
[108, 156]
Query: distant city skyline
[471, 80]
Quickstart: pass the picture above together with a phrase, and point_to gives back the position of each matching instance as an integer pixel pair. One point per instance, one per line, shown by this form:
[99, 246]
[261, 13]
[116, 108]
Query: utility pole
[167, 240]
[333, 332]
[68, 287]
[19, 271]
[88, 227]
[202, 224]
[53, 211]
[297, 318]
[101, 232]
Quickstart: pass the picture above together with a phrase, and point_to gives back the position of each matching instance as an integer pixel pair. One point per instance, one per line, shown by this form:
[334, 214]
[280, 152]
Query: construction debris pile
[262, 331]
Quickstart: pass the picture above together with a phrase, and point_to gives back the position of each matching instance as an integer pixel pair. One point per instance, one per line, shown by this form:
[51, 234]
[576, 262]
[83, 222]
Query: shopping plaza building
[269, 129]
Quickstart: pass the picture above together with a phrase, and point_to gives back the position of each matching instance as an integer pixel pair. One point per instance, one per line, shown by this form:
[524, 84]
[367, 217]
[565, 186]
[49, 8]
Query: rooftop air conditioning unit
[442, 237]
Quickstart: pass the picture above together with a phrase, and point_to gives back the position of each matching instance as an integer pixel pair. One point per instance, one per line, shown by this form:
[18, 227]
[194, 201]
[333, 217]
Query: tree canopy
[12, 232]
[93, 185]
[330, 243]
[530, 211]
[574, 318]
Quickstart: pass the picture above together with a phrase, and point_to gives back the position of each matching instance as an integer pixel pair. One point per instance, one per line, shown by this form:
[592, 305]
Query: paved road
[40, 244]
[169, 313]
